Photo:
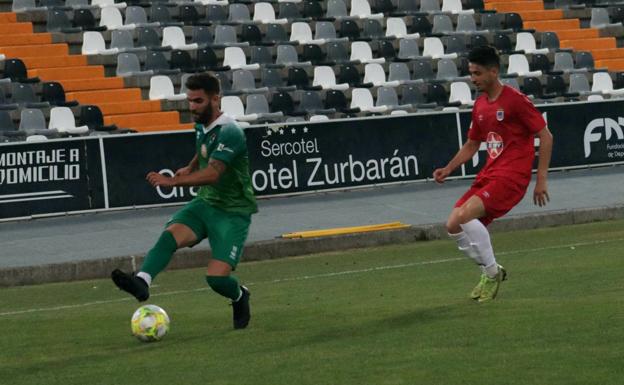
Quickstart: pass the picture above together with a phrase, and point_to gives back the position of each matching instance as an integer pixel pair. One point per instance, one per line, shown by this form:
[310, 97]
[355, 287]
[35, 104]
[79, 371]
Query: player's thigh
[227, 234]
[187, 226]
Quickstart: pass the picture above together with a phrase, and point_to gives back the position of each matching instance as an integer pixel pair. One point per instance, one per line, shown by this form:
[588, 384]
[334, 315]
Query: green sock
[227, 286]
[159, 256]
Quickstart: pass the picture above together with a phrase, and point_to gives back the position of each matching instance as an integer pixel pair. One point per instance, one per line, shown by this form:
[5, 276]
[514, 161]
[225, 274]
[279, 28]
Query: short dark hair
[485, 56]
[206, 81]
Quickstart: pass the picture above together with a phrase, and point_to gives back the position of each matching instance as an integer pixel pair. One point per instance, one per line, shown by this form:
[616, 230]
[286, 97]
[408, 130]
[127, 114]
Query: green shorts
[226, 232]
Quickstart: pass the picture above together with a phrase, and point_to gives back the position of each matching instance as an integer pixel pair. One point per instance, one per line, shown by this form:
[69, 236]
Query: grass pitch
[389, 315]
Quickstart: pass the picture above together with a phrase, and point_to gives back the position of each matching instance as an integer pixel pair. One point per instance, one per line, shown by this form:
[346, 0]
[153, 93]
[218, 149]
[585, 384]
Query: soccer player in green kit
[221, 211]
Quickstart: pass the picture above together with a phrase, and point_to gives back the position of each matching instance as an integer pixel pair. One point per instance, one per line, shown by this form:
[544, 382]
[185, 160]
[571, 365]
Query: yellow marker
[345, 230]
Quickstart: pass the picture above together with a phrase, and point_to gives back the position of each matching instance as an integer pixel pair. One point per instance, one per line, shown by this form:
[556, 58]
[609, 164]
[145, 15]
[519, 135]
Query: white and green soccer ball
[149, 323]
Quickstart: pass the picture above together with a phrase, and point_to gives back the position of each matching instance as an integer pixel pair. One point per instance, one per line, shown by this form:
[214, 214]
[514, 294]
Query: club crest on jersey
[500, 114]
[494, 144]
[204, 151]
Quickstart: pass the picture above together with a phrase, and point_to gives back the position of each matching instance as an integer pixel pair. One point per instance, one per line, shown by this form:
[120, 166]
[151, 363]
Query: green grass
[375, 316]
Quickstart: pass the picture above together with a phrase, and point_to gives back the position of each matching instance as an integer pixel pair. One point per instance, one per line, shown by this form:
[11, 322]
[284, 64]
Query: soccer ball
[149, 323]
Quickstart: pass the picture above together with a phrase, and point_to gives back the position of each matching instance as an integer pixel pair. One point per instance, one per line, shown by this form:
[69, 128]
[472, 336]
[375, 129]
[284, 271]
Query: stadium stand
[327, 59]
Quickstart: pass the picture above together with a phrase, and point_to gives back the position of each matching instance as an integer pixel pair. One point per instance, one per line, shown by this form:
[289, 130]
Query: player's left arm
[208, 175]
[540, 194]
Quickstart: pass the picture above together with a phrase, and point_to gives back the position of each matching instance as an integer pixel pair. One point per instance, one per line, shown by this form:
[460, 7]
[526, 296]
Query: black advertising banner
[335, 155]
[130, 157]
[49, 177]
[586, 133]
[62, 176]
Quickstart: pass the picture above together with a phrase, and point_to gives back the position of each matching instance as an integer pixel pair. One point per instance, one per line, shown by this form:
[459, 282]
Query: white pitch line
[308, 277]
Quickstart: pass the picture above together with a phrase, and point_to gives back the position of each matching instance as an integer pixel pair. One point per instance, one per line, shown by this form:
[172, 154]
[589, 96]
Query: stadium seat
[62, 120]
[272, 78]
[337, 53]
[275, 33]
[24, 6]
[264, 13]
[336, 9]
[433, 48]
[243, 82]
[511, 82]
[361, 52]
[454, 6]
[396, 28]
[258, 106]
[32, 122]
[217, 13]
[36, 138]
[584, 60]
[312, 104]
[234, 57]
[122, 41]
[526, 42]
[54, 94]
[136, 15]
[362, 99]
[387, 97]
[157, 62]
[15, 69]
[233, 106]
[318, 118]
[202, 35]
[225, 35]
[349, 29]
[23, 94]
[550, 41]
[289, 11]
[564, 62]
[287, 56]
[326, 32]
[301, 33]
[422, 69]
[456, 44]
[430, 6]
[160, 14]
[261, 54]
[313, 53]
[491, 22]
[312, 9]
[110, 17]
[385, 50]
[251, 34]
[408, 49]
[174, 37]
[6, 122]
[58, 21]
[349, 74]
[519, 65]
[447, 70]
[91, 116]
[161, 87]
[372, 29]
[239, 14]
[437, 94]
[375, 74]
[182, 60]
[399, 72]
[188, 14]
[93, 44]
[600, 18]
[421, 25]
[84, 19]
[442, 25]
[460, 92]
[128, 65]
[513, 21]
[325, 78]
[148, 37]
[466, 24]
[108, 3]
[283, 101]
[362, 10]
[603, 83]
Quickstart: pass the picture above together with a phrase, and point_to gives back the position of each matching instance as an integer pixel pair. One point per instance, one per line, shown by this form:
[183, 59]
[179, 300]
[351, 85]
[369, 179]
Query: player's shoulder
[514, 94]
[230, 127]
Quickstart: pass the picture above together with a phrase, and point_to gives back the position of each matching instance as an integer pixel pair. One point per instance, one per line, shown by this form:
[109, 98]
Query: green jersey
[224, 140]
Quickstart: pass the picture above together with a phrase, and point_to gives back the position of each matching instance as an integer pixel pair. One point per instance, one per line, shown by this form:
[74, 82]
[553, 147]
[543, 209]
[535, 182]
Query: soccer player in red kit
[508, 122]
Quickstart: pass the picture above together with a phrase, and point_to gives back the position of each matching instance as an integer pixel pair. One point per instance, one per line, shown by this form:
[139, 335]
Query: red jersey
[507, 125]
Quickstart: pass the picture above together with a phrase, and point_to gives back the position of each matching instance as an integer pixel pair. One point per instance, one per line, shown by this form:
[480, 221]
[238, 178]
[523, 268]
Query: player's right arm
[192, 166]
[463, 155]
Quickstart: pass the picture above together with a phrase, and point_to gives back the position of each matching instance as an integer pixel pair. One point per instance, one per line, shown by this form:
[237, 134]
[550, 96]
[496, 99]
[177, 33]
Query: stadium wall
[108, 172]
